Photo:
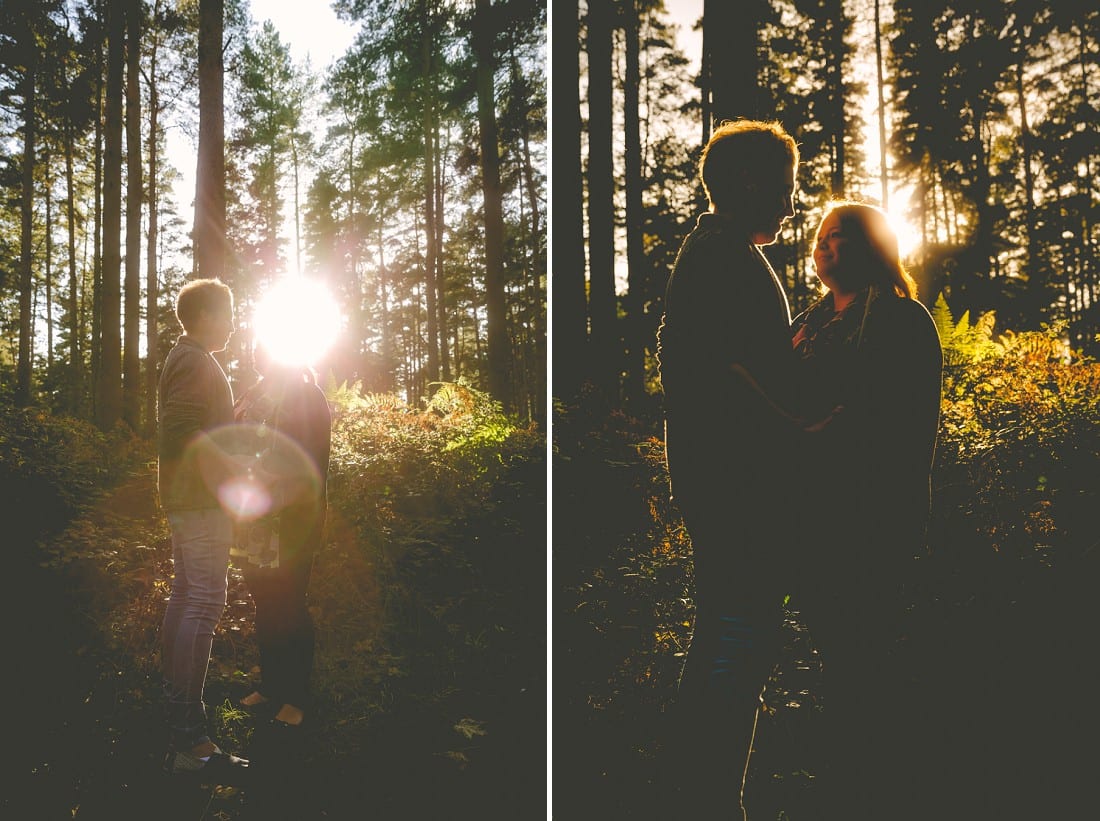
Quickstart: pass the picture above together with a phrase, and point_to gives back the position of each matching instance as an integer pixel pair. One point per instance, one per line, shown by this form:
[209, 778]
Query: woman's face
[829, 253]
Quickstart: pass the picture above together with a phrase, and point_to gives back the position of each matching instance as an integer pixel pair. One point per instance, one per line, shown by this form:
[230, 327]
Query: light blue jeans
[200, 554]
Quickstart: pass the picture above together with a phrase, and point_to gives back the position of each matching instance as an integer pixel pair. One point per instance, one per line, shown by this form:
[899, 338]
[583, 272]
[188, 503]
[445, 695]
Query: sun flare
[297, 321]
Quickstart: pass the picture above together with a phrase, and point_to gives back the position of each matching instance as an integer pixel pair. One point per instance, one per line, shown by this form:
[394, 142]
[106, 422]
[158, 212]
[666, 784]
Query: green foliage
[436, 571]
[1019, 432]
[51, 466]
[963, 343]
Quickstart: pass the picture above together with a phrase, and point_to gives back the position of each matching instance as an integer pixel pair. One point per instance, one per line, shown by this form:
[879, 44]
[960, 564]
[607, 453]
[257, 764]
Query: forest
[146, 143]
[973, 124]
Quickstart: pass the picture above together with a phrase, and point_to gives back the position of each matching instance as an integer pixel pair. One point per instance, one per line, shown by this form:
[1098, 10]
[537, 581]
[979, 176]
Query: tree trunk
[1034, 267]
[835, 95]
[440, 277]
[494, 220]
[730, 35]
[109, 405]
[209, 230]
[570, 320]
[634, 389]
[879, 87]
[26, 231]
[601, 207]
[131, 354]
[76, 372]
[536, 266]
[152, 288]
[428, 124]
[97, 243]
[47, 267]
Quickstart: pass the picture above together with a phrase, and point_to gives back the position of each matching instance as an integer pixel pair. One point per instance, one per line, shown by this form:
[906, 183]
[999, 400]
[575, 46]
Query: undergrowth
[999, 604]
[428, 599]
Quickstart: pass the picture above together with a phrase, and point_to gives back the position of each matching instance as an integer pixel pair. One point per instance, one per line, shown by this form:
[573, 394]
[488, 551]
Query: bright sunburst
[297, 321]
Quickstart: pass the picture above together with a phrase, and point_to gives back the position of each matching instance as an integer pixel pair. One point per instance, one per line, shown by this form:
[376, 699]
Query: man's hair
[200, 295]
[742, 150]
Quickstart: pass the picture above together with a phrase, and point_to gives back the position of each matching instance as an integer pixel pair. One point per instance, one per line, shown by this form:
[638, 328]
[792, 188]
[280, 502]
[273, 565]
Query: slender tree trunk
[97, 250]
[48, 264]
[428, 124]
[634, 389]
[1034, 265]
[536, 267]
[297, 207]
[879, 87]
[109, 406]
[440, 274]
[570, 328]
[209, 230]
[388, 353]
[601, 207]
[494, 221]
[1087, 183]
[76, 372]
[131, 353]
[834, 13]
[26, 231]
[152, 287]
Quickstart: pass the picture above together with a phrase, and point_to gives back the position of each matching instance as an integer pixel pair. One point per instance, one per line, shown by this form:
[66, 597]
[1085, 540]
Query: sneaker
[219, 768]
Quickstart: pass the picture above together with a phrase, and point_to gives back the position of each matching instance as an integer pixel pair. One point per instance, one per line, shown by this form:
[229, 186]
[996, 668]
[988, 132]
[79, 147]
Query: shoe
[261, 709]
[220, 768]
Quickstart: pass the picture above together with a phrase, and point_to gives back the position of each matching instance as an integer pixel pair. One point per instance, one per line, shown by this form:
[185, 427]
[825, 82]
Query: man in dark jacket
[194, 400]
[726, 313]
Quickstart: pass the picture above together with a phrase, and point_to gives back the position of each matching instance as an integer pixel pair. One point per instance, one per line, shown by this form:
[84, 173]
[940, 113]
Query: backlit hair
[740, 152]
[200, 295]
[872, 248]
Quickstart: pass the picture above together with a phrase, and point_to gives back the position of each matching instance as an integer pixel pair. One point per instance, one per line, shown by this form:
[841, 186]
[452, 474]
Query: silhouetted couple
[800, 456]
[272, 447]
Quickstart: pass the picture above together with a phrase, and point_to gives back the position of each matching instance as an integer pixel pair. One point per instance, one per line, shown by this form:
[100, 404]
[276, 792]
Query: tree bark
[879, 86]
[730, 37]
[109, 404]
[26, 230]
[601, 216]
[209, 230]
[499, 383]
[428, 123]
[567, 276]
[152, 286]
[76, 372]
[635, 254]
[131, 354]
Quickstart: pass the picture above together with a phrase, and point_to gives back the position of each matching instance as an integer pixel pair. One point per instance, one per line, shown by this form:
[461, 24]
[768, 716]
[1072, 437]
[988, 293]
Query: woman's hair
[200, 295]
[742, 151]
[872, 249]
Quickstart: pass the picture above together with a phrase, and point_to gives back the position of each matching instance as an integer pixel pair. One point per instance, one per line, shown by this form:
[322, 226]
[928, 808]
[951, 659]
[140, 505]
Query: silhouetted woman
[871, 348]
[288, 424]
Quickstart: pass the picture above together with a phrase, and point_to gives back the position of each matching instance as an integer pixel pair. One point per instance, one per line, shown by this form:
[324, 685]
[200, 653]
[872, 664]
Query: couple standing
[199, 431]
[800, 457]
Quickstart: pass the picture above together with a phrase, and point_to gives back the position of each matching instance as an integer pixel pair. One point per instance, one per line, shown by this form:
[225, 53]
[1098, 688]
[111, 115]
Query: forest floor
[1005, 644]
[395, 734]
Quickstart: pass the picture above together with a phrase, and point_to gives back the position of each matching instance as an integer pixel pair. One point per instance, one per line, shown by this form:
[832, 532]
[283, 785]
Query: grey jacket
[193, 397]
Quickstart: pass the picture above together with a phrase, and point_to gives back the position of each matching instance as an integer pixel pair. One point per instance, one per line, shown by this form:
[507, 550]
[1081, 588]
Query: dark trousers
[874, 740]
[735, 644]
[284, 627]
